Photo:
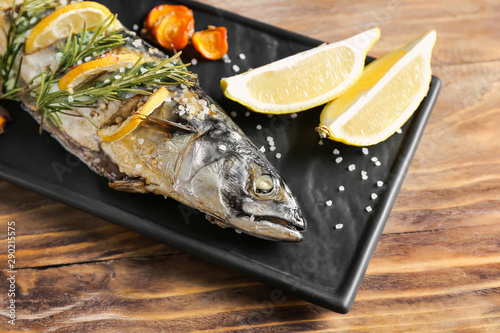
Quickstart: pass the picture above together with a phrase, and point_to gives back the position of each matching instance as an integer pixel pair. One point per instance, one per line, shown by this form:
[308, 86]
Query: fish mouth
[270, 227]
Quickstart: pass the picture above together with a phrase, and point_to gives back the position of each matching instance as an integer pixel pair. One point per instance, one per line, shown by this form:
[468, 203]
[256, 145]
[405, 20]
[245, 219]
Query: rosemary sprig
[90, 43]
[22, 20]
[141, 78]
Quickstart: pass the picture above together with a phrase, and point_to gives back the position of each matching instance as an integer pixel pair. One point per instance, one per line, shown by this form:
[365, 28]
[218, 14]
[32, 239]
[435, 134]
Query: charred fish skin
[187, 149]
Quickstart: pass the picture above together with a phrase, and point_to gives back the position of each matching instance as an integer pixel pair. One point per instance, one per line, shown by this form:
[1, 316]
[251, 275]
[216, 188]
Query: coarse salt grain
[259, 127]
[374, 196]
[338, 159]
[377, 163]
[351, 167]
[234, 114]
[263, 149]
[380, 183]
[138, 166]
[341, 188]
[79, 62]
[242, 56]
[374, 159]
[329, 203]
[320, 142]
[273, 148]
[269, 138]
[247, 114]
[339, 226]
[194, 61]
[70, 99]
[293, 115]
[135, 27]
[122, 69]
[365, 151]
[236, 68]
[368, 208]
[399, 131]
[226, 59]
[141, 141]
[137, 43]
[107, 81]
[87, 59]
[222, 147]
[117, 77]
[144, 70]
[278, 155]
[336, 152]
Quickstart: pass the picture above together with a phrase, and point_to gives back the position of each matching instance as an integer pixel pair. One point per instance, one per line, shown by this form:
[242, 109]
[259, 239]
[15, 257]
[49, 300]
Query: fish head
[239, 188]
[257, 201]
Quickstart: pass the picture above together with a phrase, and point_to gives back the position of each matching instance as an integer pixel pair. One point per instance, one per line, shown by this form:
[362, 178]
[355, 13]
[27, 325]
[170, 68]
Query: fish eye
[264, 184]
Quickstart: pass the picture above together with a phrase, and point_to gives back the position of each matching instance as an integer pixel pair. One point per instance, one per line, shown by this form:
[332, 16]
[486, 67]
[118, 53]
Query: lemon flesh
[383, 99]
[304, 80]
[64, 22]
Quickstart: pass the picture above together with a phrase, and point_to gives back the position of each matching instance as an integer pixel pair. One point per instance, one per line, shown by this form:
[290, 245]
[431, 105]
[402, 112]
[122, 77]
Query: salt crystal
[351, 167]
[234, 114]
[138, 166]
[368, 208]
[336, 152]
[329, 203]
[122, 69]
[33, 19]
[236, 68]
[247, 114]
[259, 127]
[117, 77]
[137, 42]
[293, 115]
[374, 196]
[320, 142]
[338, 159]
[365, 151]
[374, 159]
[339, 226]
[341, 188]
[79, 62]
[242, 56]
[364, 173]
[273, 148]
[226, 59]
[263, 149]
[269, 138]
[144, 70]
[70, 99]
[194, 61]
[399, 131]
[135, 27]
[278, 155]
[222, 147]
[141, 141]
[87, 59]
[380, 183]
[377, 163]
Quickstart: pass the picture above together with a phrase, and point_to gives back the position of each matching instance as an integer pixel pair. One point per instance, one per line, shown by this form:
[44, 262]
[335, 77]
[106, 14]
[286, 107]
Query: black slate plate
[328, 266]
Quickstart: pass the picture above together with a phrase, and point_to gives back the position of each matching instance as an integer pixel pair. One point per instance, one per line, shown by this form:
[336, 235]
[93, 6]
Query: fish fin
[165, 125]
[134, 185]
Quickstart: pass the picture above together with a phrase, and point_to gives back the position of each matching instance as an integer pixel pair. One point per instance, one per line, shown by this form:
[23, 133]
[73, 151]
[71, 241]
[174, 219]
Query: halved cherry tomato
[158, 12]
[171, 26]
[211, 43]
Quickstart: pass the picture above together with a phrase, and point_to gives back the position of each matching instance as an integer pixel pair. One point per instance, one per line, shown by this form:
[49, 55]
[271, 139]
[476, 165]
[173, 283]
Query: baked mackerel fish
[137, 116]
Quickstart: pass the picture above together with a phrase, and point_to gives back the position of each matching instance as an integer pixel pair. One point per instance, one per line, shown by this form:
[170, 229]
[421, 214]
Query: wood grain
[437, 265]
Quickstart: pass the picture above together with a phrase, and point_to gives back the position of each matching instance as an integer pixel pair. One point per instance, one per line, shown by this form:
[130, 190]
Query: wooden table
[436, 268]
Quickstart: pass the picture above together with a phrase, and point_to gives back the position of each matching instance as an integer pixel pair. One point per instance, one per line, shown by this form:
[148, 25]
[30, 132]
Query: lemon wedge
[383, 99]
[304, 80]
[95, 67]
[64, 22]
[112, 133]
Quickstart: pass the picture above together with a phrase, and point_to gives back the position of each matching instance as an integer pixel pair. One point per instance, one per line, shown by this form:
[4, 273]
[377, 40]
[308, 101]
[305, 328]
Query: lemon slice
[304, 80]
[112, 133]
[98, 66]
[64, 22]
[385, 96]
